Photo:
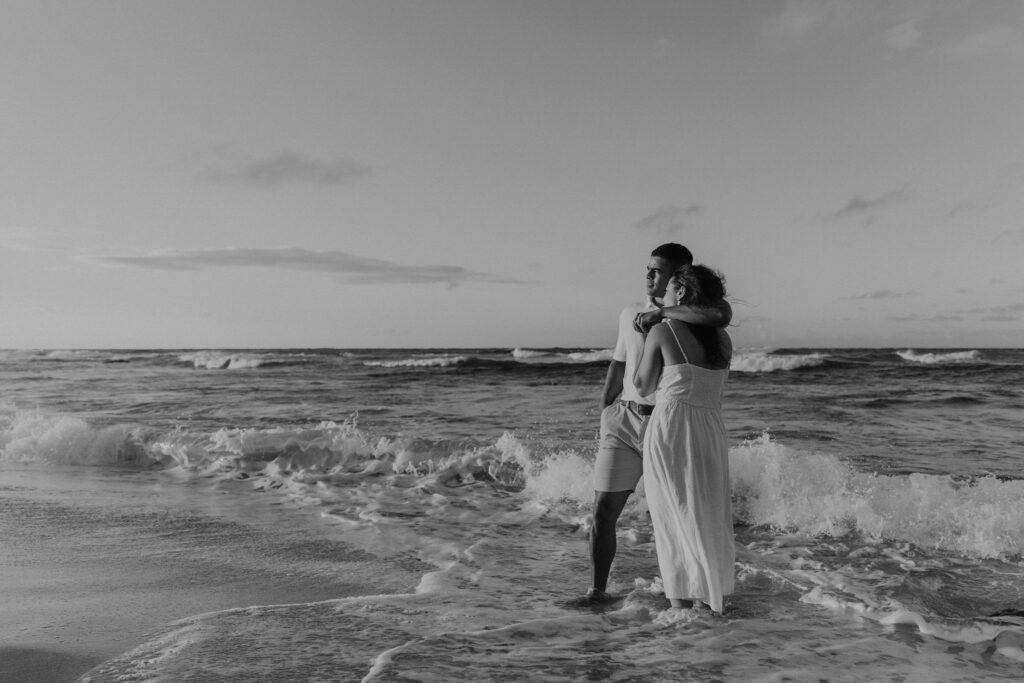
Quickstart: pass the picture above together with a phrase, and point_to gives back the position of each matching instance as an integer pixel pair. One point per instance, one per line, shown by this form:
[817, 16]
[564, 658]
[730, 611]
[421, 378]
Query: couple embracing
[662, 420]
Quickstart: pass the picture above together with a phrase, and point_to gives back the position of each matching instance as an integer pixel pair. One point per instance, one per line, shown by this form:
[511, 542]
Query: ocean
[422, 515]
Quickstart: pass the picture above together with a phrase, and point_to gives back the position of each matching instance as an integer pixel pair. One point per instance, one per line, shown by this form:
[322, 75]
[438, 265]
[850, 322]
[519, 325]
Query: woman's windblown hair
[702, 286]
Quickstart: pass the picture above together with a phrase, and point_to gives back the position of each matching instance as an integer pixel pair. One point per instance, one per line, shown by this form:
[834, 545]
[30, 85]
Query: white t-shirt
[629, 348]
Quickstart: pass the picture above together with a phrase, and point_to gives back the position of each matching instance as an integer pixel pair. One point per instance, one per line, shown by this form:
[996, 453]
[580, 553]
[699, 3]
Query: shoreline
[96, 563]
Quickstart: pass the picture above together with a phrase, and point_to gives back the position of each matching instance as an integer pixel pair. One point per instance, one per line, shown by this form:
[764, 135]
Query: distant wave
[591, 356]
[527, 353]
[444, 361]
[222, 360]
[760, 361]
[71, 355]
[936, 358]
[129, 357]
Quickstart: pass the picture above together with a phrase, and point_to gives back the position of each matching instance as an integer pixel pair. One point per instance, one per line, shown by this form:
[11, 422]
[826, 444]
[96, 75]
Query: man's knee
[608, 506]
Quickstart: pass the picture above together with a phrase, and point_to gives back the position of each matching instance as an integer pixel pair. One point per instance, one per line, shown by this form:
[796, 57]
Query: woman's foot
[691, 604]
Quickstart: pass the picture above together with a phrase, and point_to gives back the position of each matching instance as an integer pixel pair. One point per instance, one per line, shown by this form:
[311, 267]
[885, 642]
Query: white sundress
[686, 481]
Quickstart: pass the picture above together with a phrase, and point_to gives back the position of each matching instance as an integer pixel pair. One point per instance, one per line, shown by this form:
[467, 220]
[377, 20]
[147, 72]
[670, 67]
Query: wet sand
[89, 570]
[37, 665]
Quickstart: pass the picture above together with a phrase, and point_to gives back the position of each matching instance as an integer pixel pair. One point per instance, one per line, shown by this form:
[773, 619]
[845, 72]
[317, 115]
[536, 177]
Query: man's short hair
[675, 253]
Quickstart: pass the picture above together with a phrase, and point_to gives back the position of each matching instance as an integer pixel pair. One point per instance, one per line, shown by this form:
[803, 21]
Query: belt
[638, 408]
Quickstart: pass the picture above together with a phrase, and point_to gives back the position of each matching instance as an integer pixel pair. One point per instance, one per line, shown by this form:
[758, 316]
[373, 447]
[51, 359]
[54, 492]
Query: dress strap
[677, 341]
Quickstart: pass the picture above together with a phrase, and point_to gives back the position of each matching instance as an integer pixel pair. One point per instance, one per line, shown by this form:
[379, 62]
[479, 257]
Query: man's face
[659, 272]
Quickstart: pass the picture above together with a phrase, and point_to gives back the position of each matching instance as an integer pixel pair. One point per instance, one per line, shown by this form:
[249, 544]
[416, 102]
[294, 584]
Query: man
[619, 462]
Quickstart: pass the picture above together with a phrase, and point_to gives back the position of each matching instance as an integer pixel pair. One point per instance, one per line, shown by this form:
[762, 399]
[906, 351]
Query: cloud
[1009, 309]
[861, 205]
[669, 219]
[1012, 312]
[799, 18]
[940, 318]
[967, 206]
[1008, 239]
[903, 36]
[349, 268]
[881, 294]
[998, 40]
[934, 26]
[284, 168]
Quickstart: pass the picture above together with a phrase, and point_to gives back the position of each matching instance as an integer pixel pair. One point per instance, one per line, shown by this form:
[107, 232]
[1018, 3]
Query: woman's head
[694, 285]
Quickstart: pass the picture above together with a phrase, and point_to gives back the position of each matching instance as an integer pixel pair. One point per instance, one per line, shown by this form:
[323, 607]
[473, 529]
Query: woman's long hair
[703, 287]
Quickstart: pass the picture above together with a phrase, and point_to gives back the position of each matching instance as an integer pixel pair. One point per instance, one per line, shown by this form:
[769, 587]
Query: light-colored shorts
[620, 462]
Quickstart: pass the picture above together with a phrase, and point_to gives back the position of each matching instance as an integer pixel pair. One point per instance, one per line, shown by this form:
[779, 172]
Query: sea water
[381, 515]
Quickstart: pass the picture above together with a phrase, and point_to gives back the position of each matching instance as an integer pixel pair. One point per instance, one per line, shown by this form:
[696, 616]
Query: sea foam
[760, 361]
[521, 354]
[591, 356]
[221, 360]
[935, 358]
[442, 361]
[38, 437]
[814, 493]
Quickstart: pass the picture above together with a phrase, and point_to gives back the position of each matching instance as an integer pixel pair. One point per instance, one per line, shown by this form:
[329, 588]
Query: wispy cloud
[1008, 238]
[940, 318]
[284, 168]
[966, 206]
[1007, 312]
[1002, 313]
[799, 18]
[348, 268]
[670, 219]
[933, 26]
[18, 238]
[861, 205]
[998, 40]
[904, 35]
[881, 294]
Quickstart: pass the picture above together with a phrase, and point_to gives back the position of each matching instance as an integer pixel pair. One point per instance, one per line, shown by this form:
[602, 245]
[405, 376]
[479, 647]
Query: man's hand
[645, 320]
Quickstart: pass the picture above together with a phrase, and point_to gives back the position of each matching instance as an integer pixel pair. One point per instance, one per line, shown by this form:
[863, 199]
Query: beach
[387, 515]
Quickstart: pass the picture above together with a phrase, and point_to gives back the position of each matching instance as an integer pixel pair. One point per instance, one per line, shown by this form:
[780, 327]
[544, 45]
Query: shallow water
[397, 515]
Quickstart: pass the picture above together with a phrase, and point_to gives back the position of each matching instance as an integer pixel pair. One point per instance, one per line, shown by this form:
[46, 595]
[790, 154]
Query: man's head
[665, 260]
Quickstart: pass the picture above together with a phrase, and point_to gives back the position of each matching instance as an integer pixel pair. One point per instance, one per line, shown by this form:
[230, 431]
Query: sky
[495, 173]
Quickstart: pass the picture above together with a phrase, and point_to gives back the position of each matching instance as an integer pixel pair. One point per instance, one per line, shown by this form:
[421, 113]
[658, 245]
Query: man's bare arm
[719, 315]
[613, 382]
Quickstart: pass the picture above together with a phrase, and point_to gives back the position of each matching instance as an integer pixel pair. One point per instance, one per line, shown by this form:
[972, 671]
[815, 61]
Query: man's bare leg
[608, 506]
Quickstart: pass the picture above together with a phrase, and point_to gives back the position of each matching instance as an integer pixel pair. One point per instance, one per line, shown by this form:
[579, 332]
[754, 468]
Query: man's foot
[593, 598]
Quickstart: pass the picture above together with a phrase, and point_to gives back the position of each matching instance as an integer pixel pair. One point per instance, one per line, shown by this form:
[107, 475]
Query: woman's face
[672, 294]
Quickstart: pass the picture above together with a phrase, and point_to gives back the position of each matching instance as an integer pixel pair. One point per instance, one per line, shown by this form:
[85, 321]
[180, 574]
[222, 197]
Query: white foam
[938, 358]
[222, 360]
[519, 353]
[592, 356]
[35, 436]
[442, 361]
[761, 361]
[818, 494]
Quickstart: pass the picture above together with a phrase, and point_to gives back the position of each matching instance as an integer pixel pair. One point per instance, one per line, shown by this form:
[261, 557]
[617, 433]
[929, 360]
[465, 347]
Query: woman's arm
[645, 379]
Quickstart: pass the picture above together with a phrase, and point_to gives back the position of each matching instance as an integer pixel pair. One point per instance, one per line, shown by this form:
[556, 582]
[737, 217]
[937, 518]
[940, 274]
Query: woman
[686, 451]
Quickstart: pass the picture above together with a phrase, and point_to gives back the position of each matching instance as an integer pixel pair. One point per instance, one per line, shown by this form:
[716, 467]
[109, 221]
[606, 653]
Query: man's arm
[719, 315]
[613, 382]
